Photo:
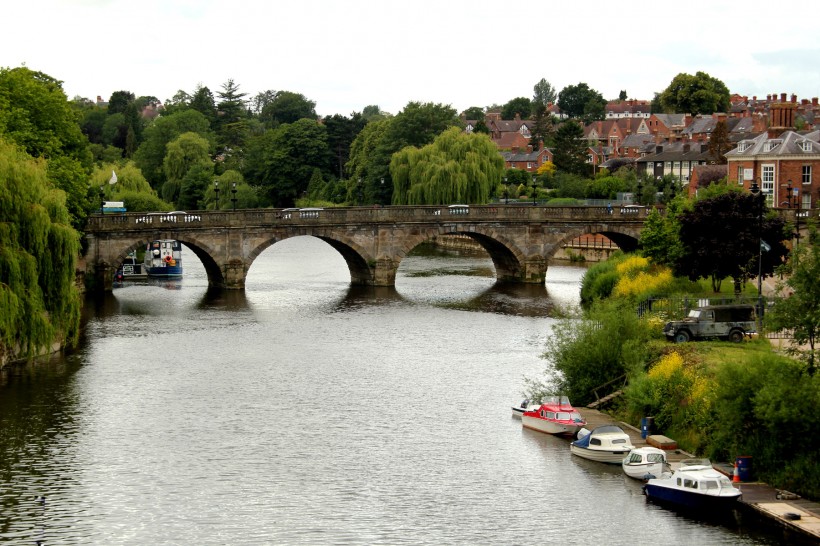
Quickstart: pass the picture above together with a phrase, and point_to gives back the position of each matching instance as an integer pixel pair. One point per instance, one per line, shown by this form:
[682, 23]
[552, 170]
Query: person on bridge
[609, 208]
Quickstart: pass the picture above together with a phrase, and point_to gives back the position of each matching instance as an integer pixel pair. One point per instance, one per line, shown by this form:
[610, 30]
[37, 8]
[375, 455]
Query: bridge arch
[508, 260]
[625, 239]
[358, 260]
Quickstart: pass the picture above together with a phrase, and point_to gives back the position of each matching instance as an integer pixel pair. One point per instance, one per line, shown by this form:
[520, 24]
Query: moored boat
[695, 486]
[605, 444]
[525, 405]
[130, 269]
[163, 258]
[554, 415]
[644, 463]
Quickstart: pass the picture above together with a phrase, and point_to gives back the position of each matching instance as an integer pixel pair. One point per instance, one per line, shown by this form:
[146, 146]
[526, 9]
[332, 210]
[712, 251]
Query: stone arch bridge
[373, 241]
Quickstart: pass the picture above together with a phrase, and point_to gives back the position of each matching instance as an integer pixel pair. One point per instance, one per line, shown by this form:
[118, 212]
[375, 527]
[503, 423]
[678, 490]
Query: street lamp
[233, 195]
[216, 190]
[640, 188]
[381, 192]
[755, 189]
[506, 192]
[534, 202]
[788, 192]
[102, 200]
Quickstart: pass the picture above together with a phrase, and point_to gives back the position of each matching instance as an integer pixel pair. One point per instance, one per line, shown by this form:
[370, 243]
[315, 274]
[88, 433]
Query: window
[768, 178]
[742, 146]
[771, 145]
[806, 201]
[805, 145]
[740, 175]
[806, 174]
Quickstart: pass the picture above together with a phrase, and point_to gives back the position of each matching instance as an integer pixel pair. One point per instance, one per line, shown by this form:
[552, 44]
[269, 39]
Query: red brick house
[778, 160]
[528, 160]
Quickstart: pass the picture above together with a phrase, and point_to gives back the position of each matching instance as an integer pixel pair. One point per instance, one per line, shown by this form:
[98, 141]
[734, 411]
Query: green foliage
[605, 187]
[543, 94]
[35, 114]
[581, 101]
[570, 154]
[767, 398]
[698, 94]
[281, 162]
[721, 236]
[799, 310]
[596, 350]
[39, 302]
[675, 392]
[474, 113]
[456, 168]
[150, 155]
[520, 106]
[287, 107]
[660, 239]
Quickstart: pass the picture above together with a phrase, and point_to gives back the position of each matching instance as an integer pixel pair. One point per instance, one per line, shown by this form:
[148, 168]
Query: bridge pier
[535, 270]
[234, 274]
[384, 272]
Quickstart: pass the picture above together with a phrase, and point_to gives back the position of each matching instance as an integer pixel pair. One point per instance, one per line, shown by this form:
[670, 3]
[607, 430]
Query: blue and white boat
[163, 259]
[694, 486]
[605, 444]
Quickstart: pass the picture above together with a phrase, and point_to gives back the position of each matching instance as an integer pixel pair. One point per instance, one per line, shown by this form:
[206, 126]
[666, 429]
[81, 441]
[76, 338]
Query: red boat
[554, 416]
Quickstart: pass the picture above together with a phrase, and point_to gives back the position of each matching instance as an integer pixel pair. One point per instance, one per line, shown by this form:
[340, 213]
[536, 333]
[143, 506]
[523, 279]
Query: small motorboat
[605, 444]
[695, 486]
[526, 405]
[644, 463]
[555, 415]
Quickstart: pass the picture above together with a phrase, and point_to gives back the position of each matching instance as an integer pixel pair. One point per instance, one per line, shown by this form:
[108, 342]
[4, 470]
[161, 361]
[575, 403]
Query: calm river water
[304, 411]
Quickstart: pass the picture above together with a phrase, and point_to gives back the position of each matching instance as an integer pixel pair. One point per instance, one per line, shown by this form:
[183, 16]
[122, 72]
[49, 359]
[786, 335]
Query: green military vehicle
[731, 322]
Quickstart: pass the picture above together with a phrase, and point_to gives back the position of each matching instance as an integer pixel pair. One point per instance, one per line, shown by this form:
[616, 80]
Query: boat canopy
[584, 442]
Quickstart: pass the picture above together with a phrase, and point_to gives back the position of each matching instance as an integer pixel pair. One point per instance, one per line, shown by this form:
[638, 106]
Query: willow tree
[39, 301]
[455, 168]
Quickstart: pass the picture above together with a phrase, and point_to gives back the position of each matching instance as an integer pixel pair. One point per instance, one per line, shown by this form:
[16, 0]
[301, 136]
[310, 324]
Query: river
[307, 411]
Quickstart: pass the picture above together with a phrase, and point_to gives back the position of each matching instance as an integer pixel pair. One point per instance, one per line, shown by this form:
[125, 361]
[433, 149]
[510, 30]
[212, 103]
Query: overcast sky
[347, 54]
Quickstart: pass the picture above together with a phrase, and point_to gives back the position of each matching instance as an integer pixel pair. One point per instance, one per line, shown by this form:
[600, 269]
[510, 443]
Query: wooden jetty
[781, 506]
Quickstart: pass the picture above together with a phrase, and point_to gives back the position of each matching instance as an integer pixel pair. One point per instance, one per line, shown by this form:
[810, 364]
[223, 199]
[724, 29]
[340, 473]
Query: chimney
[658, 149]
[517, 116]
[515, 149]
[814, 101]
[782, 97]
[768, 98]
[794, 98]
[686, 148]
[529, 148]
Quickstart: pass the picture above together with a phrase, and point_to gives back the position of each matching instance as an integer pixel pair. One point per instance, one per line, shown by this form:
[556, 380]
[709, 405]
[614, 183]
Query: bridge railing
[359, 215]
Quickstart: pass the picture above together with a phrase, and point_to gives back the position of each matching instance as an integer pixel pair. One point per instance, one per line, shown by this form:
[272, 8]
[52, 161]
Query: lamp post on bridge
[534, 201]
[756, 190]
[102, 200]
[506, 192]
[216, 191]
[233, 195]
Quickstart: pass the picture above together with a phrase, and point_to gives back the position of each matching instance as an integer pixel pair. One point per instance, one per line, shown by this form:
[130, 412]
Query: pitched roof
[788, 143]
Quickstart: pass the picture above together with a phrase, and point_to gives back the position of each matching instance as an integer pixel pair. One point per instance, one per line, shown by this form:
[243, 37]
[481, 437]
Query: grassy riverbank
[716, 399]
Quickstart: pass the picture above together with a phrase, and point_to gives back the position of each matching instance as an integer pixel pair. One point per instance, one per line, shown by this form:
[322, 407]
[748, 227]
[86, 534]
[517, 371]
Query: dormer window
[742, 146]
[805, 145]
[771, 145]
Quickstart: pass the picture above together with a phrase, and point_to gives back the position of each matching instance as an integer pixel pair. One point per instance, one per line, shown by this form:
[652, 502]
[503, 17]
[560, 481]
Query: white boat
[163, 258]
[643, 463]
[525, 405]
[695, 486]
[605, 444]
[554, 416]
